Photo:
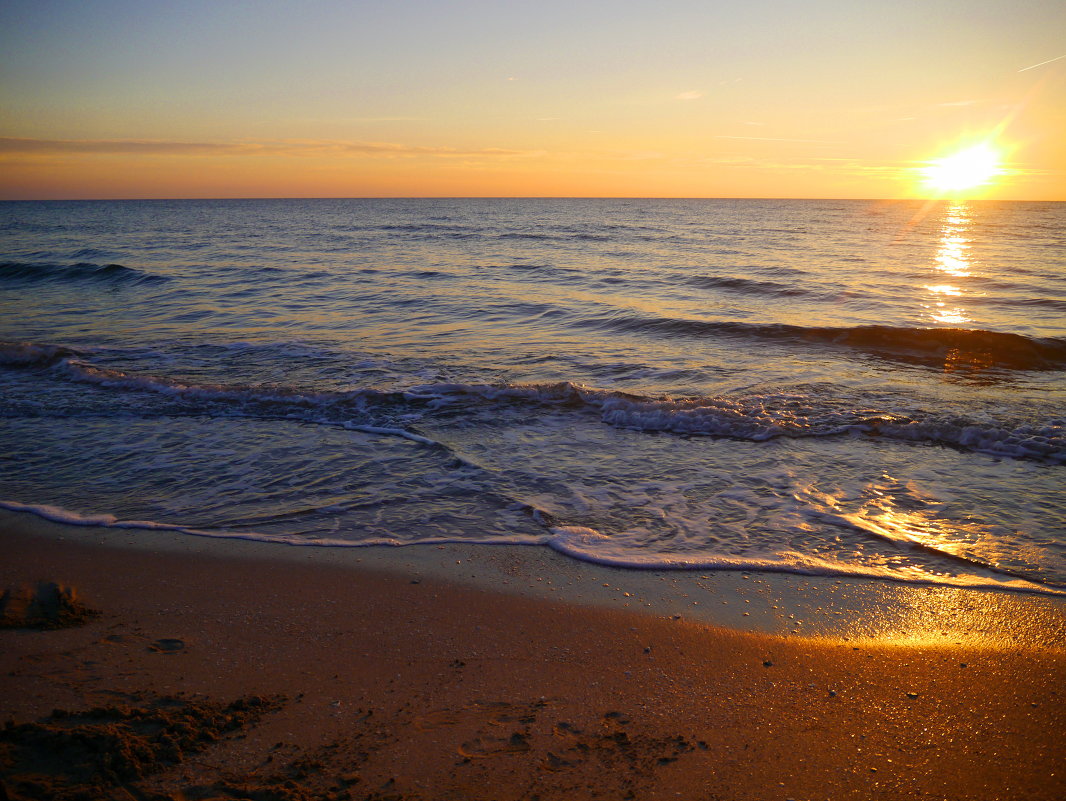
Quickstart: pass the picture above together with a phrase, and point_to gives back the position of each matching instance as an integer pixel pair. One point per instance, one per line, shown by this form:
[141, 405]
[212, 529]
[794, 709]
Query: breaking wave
[751, 417]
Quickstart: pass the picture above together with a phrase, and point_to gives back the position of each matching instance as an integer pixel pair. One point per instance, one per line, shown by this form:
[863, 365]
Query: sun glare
[963, 170]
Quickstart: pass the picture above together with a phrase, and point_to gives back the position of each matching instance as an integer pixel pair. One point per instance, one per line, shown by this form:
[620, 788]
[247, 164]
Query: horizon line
[516, 197]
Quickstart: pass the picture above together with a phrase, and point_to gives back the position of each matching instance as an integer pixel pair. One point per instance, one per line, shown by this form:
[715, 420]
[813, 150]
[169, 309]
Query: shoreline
[409, 675]
[776, 603]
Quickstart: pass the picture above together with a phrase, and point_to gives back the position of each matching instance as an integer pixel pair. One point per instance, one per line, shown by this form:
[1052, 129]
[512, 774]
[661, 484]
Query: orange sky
[673, 99]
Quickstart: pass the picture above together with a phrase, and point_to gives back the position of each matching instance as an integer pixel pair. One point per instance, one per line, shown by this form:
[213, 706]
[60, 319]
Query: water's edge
[856, 610]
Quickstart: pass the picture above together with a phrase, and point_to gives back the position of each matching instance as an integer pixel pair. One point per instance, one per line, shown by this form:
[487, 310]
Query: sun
[963, 170]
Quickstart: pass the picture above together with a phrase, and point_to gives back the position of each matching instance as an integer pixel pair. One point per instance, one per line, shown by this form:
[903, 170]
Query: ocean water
[849, 388]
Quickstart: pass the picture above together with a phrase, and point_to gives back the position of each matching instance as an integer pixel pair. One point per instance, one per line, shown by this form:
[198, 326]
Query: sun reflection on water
[952, 258]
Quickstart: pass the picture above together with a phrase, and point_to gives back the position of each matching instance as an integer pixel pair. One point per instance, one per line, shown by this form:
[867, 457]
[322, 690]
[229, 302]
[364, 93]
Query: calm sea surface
[830, 387]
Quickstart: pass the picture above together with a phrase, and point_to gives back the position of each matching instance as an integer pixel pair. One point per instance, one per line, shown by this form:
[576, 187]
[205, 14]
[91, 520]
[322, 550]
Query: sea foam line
[581, 543]
[576, 542]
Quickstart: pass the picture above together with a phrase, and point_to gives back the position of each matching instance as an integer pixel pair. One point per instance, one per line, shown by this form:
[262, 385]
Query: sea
[841, 388]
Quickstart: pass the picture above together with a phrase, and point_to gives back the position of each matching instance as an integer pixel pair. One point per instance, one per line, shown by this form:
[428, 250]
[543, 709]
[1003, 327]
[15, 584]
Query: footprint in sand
[436, 719]
[494, 713]
[554, 762]
[168, 645]
[517, 743]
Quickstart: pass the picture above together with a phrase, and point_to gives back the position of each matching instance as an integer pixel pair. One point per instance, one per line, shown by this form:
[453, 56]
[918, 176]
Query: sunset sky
[677, 98]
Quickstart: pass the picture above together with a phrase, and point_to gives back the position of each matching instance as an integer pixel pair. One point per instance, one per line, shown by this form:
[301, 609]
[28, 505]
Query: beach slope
[226, 675]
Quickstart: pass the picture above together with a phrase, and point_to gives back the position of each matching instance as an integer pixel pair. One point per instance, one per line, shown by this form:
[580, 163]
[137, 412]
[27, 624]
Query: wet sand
[242, 670]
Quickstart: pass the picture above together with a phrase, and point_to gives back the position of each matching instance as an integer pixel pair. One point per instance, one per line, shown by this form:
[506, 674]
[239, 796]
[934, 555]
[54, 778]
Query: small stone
[912, 695]
[167, 645]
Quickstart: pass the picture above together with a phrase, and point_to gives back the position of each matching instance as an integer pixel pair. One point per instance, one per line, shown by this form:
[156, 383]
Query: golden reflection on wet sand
[941, 616]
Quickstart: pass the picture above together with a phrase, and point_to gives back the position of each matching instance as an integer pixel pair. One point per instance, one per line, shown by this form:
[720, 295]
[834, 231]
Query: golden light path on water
[952, 260]
[885, 513]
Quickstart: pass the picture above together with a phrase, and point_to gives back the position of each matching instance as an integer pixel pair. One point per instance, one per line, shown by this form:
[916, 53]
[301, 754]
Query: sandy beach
[239, 670]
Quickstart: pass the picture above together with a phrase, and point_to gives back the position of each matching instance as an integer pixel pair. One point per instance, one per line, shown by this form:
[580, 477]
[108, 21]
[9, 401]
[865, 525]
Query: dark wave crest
[930, 346]
[80, 271]
[28, 354]
[746, 285]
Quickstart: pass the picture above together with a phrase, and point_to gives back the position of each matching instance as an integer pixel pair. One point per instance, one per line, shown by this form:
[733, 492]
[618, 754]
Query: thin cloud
[110, 146]
[388, 119]
[643, 155]
[776, 139]
[1042, 63]
[151, 147]
[688, 96]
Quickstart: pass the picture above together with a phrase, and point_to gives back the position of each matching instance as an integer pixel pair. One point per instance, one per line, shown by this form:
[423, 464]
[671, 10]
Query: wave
[746, 285]
[79, 272]
[1033, 303]
[460, 231]
[28, 354]
[928, 346]
[760, 418]
[751, 417]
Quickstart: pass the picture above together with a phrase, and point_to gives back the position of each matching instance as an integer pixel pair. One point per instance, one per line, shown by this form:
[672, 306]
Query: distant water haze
[827, 387]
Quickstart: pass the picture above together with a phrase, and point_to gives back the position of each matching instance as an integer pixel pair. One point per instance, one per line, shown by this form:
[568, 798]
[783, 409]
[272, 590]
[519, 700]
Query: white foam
[392, 432]
[590, 545]
[579, 542]
[65, 516]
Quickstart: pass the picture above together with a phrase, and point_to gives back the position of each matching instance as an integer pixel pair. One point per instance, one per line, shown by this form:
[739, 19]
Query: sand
[241, 670]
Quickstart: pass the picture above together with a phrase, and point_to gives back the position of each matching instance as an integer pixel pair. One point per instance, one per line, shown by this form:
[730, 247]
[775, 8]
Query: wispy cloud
[1042, 63]
[109, 146]
[388, 119]
[152, 147]
[776, 139]
[688, 96]
[845, 166]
